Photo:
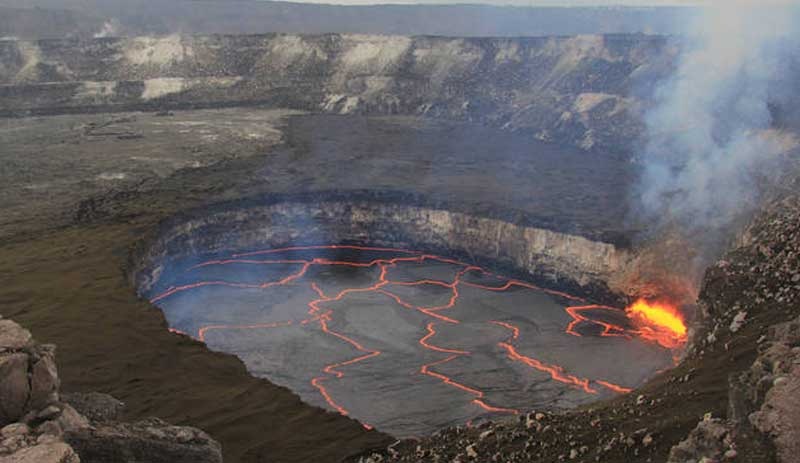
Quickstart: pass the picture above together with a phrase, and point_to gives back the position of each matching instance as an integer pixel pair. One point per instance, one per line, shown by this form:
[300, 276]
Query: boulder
[779, 414]
[779, 418]
[152, 441]
[14, 387]
[71, 420]
[710, 439]
[12, 444]
[15, 429]
[50, 428]
[57, 452]
[13, 336]
[44, 382]
[97, 407]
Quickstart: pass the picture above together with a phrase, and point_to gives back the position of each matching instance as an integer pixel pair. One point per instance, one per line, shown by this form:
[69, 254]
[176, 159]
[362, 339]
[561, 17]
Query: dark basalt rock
[151, 441]
[99, 408]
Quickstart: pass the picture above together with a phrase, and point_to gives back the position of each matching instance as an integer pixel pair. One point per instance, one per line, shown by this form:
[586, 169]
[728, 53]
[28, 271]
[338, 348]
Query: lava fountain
[660, 321]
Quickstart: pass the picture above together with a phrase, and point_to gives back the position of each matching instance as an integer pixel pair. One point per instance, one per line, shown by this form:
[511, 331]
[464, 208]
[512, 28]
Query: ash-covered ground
[60, 168]
[52, 164]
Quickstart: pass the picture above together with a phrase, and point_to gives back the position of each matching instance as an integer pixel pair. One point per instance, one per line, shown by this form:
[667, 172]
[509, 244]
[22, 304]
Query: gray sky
[643, 3]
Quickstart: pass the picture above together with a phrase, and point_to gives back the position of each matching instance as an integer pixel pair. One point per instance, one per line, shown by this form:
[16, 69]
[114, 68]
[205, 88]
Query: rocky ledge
[42, 425]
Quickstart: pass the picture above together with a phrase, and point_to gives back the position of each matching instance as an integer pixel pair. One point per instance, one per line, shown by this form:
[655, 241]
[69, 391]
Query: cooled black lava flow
[402, 340]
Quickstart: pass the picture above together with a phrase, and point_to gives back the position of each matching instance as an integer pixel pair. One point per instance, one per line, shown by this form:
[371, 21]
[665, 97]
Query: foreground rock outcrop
[39, 425]
[763, 400]
[146, 441]
[773, 383]
[28, 377]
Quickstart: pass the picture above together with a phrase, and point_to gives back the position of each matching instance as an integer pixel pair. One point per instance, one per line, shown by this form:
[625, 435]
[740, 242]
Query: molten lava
[659, 321]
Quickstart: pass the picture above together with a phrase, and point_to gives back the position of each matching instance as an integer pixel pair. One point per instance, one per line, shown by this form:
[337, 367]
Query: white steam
[707, 139]
[109, 29]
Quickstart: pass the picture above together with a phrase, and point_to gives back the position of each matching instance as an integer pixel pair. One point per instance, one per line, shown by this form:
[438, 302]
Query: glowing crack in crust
[658, 323]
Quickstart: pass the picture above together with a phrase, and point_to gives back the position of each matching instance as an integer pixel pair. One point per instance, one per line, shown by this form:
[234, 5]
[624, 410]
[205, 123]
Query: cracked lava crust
[406, 341]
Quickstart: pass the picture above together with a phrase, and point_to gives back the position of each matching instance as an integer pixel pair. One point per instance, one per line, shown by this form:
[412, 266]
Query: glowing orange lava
[556, 372]
[660, 322]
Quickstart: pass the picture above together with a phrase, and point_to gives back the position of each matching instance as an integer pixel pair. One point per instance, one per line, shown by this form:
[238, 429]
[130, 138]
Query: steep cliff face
[574, 90]
[557, 258]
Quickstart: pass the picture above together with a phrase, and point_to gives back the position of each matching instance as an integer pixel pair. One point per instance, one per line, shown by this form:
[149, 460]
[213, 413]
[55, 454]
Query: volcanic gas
[404, 340]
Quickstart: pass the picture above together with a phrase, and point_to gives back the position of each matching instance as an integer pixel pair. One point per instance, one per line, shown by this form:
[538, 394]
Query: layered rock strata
[561, 259]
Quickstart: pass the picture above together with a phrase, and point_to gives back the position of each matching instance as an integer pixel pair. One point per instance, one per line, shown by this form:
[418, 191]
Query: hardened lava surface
[402, 340]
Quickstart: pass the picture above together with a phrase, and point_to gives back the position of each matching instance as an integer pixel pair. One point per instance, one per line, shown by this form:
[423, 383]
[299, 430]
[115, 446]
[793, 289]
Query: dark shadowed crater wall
[557, 259]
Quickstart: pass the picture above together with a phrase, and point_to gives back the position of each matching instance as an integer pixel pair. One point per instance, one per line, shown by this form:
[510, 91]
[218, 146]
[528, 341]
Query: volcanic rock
[50, 412]
[705, 441]
[471, 452]
[152, 440]
[779, 414]
[14, 387]
[50, 428]
[57, 452]
[28, 374]
[71, 420]
[44, 381]
[738, 321]
[95, 406]
[15, 429]
[13, 336]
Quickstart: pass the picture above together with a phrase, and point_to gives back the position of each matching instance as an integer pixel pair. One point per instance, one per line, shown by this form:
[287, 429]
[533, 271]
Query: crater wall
[574, 90]
[558, 259]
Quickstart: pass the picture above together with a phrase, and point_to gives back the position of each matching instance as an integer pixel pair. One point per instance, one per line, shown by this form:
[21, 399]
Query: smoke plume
[110, 29]
[708, 138]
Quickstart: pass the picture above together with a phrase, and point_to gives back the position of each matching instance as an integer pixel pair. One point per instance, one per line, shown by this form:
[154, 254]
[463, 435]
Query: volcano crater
[406, 314]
